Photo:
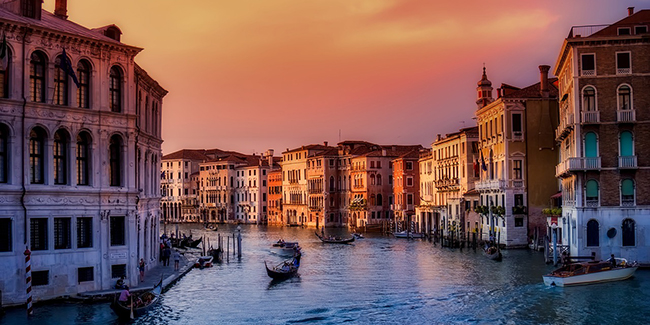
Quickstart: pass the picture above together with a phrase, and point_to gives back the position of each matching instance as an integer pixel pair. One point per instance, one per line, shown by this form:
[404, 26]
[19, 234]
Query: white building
[79, 177]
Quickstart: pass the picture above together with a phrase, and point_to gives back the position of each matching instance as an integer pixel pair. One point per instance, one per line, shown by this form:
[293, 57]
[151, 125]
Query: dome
[484, 80]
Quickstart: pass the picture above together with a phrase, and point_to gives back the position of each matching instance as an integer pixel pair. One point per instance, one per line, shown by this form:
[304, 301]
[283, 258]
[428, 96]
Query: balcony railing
[627, 202]
[591, 202]
[491, 184]
[566, 124]
[588, 73]
[517, 183]
[623, 71]
[627, 162]
[626, 116]
[575, 164]
[591, 117]
[517, 136]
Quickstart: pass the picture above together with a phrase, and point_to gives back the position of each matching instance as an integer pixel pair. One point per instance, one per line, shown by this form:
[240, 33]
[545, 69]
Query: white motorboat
[590, 272]
[404, 234]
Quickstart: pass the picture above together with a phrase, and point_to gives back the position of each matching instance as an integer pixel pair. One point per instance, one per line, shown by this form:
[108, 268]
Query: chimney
[630, 11]
[498, 92]
[543, 85]
[269, 156]
[325, 143]
[61, 9]
[439, 137]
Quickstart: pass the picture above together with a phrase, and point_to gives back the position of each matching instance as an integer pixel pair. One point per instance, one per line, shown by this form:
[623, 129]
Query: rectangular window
[117, 231]
[118, 270]
[38, 234]
[640, 30]
[588, 64]
[5, 235]
[409, 198]
[623, 63]
[409, 181]
[409, 165]
[624, 31]
[62, 238]
[85, 274]
[519, 222]
[517, 169]
[516, 123]
[40, 278]
[84, 232]
[519, 200]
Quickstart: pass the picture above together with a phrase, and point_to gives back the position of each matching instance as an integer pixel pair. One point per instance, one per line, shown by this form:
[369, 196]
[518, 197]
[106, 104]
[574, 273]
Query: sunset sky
[252, 75]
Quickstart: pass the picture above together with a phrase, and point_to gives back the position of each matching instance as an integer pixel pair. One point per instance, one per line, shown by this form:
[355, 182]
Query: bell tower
[484, 91]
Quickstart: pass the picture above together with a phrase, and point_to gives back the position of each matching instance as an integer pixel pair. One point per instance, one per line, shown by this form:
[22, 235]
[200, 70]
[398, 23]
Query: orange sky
[251, 75]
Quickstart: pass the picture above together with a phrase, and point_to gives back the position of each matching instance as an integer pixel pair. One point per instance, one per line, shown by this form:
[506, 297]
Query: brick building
[604, 134]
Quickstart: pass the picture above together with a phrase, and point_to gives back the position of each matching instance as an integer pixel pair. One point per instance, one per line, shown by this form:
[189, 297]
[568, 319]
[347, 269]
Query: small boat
[334, 240]
[285, 269]
[217, 254]
[194, 243]
[404, 234]
[358, 235]
[590, 272]
[144, 302]
[493, 252]
[286, 244]
[213, 227]
[203, 261]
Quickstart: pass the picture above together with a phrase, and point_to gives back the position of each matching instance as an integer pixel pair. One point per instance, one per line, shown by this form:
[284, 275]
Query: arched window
[60, 82]
[83, 158]
[115, 97]
[37, 77]
[372, 179]
[37, 156]
[592, 233]
[379, 200]
[624, 98]
[627, 192]
[60, 157]
[626, 144]
[83, 91]
[591, 145]
[115, 159]
[591, 193]
[4, 153]
[589, 99]
[629, 232]
[332, 189]
[378, 179]
[4, 75]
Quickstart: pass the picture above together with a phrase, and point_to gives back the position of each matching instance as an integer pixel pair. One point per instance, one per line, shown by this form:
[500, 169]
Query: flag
[483, 166]
[66, 66]
[4, 58]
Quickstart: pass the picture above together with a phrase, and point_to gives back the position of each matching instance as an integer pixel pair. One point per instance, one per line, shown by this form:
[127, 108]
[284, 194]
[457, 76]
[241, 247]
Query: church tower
[484, 91]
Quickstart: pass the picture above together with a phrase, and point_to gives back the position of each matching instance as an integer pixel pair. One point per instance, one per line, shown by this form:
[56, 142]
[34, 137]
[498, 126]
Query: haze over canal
[376, 280]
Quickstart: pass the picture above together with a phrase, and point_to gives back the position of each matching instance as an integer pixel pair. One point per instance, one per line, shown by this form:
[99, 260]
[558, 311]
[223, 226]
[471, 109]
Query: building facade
[603, 168]
[516, 144]
[179, 201]
[79, 158]
[406, 189]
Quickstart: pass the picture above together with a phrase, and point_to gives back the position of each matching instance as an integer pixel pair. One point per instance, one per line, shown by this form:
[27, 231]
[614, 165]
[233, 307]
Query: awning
[557, 195]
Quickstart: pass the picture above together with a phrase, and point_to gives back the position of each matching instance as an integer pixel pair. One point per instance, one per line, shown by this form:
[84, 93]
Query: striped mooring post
[28, 280]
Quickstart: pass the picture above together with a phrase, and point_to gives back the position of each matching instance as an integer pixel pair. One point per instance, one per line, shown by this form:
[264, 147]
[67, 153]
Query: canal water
[377, 280]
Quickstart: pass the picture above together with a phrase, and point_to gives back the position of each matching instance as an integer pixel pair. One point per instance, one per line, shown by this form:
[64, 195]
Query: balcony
[517, 136]
[575, 164]
[620, 71]
[447, 184]
[517, 183]
[588, 73]
[590, 117]
[490, 184]
[626, 116]
[627, 162]
[565, 127]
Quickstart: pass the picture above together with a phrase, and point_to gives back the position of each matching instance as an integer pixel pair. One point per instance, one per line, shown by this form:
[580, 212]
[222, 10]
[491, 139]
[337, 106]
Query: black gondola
[285, 269]
[194, 243]
[148, 300]
[331, 240]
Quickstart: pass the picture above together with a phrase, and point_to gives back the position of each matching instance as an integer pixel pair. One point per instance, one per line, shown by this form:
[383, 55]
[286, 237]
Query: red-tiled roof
[533, 91]
[190, 154]
[641, 17]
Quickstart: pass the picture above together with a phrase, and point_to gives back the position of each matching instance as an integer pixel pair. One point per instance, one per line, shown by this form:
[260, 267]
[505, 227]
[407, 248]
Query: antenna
[339, 135]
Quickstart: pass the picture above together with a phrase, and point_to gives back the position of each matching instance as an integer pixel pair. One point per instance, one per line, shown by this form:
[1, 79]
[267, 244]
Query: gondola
[217, 254]
[493, 253]
[332, 240]
[285, 269]
[194, 243]
[204, 261]
[149, 299]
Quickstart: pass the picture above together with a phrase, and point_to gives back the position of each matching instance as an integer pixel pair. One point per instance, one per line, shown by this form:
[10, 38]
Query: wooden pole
[28, 280]
[228, 250]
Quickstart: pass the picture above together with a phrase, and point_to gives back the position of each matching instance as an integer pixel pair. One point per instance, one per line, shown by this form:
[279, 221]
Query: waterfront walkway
[152, 276]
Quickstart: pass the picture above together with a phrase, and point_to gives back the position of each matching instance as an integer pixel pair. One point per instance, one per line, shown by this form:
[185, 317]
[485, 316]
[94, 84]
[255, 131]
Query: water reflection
[376, 280]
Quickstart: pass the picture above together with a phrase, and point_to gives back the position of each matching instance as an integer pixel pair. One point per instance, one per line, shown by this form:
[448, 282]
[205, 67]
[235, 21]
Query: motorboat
[590, 272]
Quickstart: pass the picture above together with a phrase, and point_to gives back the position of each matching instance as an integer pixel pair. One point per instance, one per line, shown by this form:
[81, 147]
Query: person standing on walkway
[166, 254]
[177, 260]
[141, 269]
